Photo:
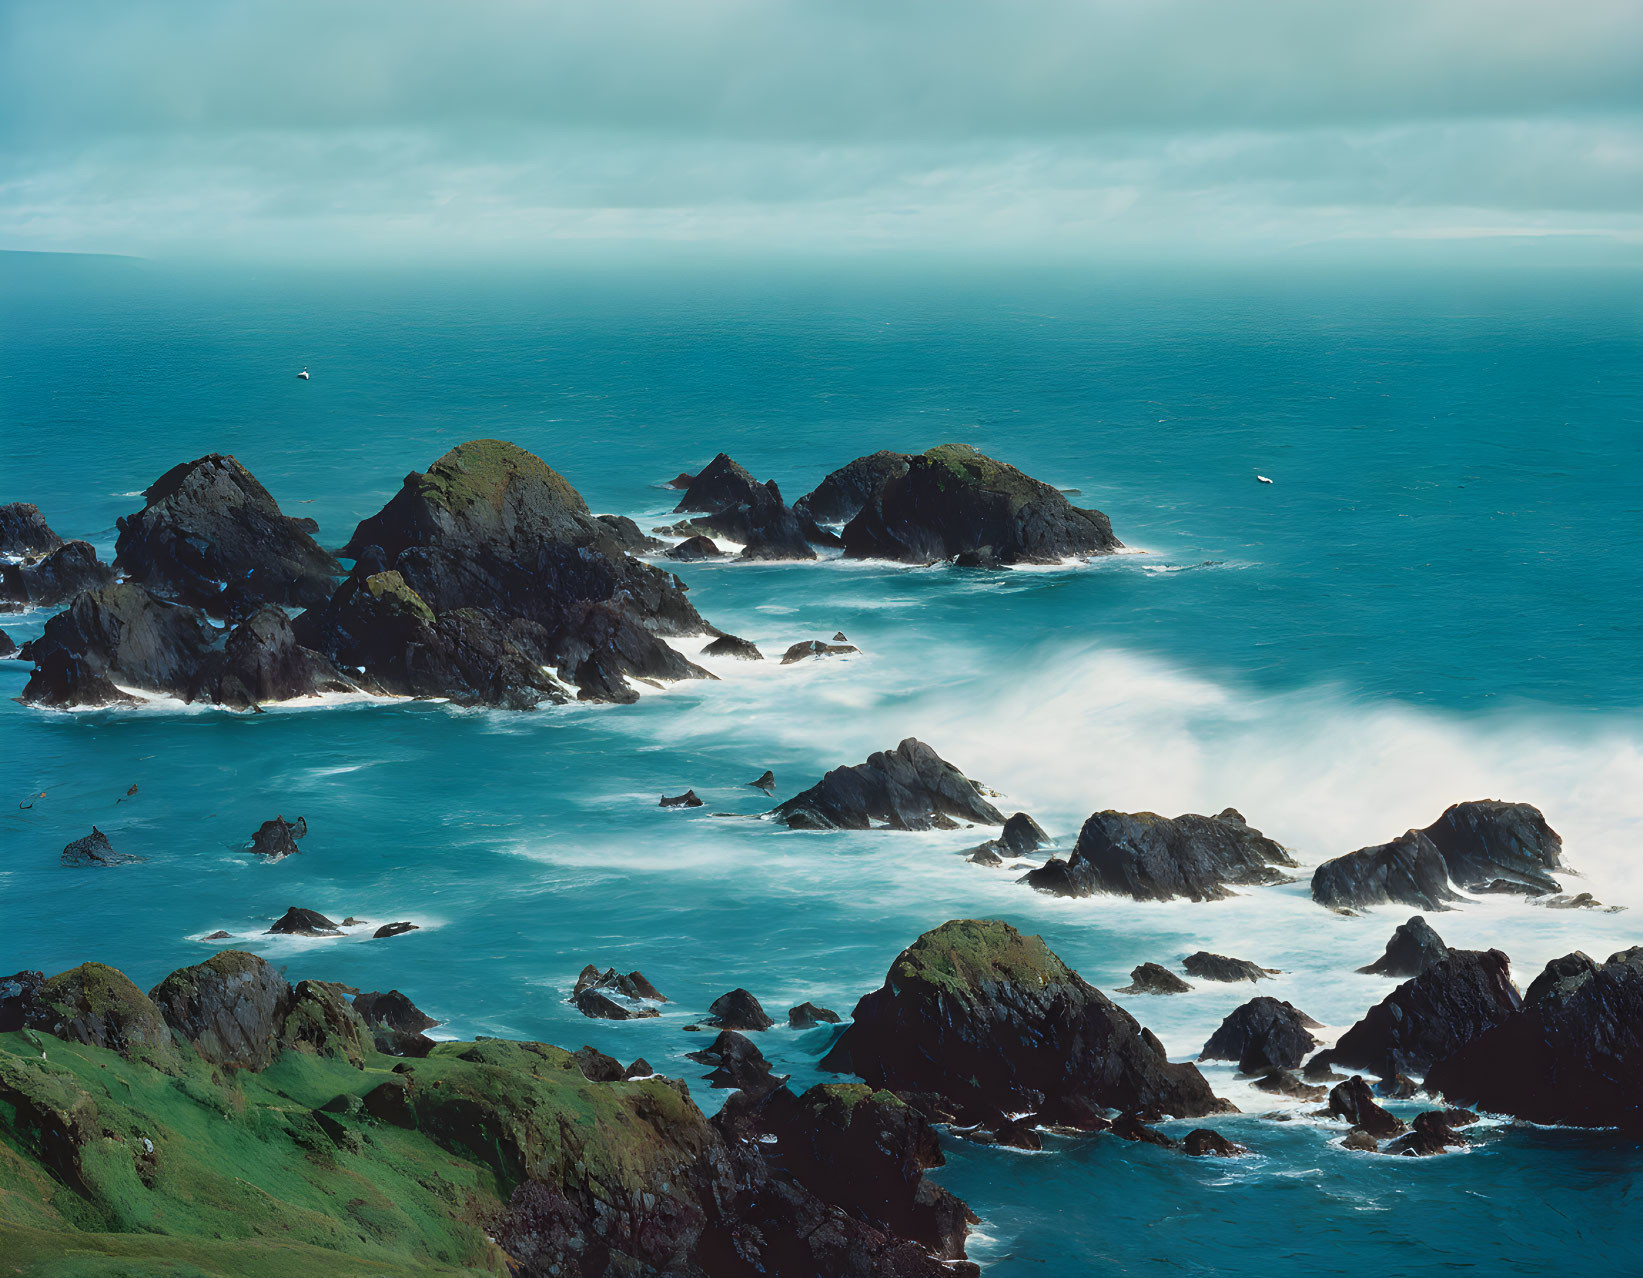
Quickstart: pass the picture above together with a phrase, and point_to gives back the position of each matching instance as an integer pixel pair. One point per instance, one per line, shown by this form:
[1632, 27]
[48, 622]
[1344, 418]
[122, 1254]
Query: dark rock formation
[232, 1008]
[211, 535]
[627, 535]
[1430, 1134]
[1021, 836]
[596, 1066]
[394, 1010]
[841, 495]
[24, 531]
[694, 548]
[766, 782]
[53, 579]
[393, 929]
[1409, 870]
[277, 839]
[1487, 841]
[124, 632]
[807, 1014]
[95, 849]
[1353, 1101]
[1264, 1034]
[1206, 1142]
[97, 1005]
[1152, 978]
[62, 680]
[680, 481]
[816, 648]
[1154, 858]
[1281, 1082]
[611, 996]
[735, 506]
[731, 646]
[262, 661]
[686, 800]
[8, 646]
[1572, 1055]
[1430, 1017]
[954, 501]
[297, 921]
[908, 788]
[1414, 947]
[722, 482]
[738, 1010]
[493, 534]
[993, 1023]
[736, 1063]
[1218, 967]
[1128, 1126]
[19, 994]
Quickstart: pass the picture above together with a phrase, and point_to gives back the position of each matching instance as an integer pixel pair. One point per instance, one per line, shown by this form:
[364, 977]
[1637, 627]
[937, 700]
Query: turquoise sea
[1439, 598]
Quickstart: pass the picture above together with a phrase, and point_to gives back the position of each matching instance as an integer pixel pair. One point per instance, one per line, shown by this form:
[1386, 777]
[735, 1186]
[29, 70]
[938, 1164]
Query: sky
[501, 129]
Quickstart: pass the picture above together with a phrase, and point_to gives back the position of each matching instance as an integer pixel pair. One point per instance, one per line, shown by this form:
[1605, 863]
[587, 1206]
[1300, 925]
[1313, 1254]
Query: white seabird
[1263, 479]
[304, 376]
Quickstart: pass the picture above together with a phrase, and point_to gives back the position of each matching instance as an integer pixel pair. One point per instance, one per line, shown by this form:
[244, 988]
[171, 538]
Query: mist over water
[1436, 600]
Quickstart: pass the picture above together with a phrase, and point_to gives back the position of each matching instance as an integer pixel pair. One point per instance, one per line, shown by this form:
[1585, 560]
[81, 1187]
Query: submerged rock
[1573, 1054]
[1353, 1101]
[841, 495]
[297, 921]
[953, 501]
[738, 1010]
[277, 839]
[1282, 1082]
[1409, 870]
[1428, 1018]
[211, 535]
[95, 849]
[816, 648]
[1205, 1142]
[1414, 947]
[1218, 967]
[731, 646]
[1152, 978]
[908, 788]
[1154, 858]
[686, 800]
[1264, 1034]
[993, 1023]
[24, 531]
[53, 579]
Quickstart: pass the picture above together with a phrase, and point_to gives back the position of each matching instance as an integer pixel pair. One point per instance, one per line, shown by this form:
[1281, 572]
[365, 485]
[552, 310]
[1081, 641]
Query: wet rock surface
[1218, 967]
[1153, 858]
[298, 921]
[1264, 1034]
[277, 839]
[1153, 978]
[908, 788]
[738, 1010]
[841, 495]
[24, 531]
[54, 578]
[1408, 871]
[1414, 947]
[94, 849]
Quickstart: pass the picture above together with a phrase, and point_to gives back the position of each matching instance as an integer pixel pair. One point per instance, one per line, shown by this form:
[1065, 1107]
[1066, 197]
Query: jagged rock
[1353, 1101]
[218, 935]
[1430, 1134]
[908, 788]
[321, 1021]
[1431, 1016]
[393, 929]
[1128, 1126]
[211, 535]
[1152, 978]
[53, 579]
[816, 648]
[124, 632]
[1206, 1142]
[738, 1010]
[1154, 858]
[766, 782]
[300, 922]
[841, 495]
[722, 482]
[24, 531]
[1409, 870]
[62, 680]
[735, 506]
[1572, 1055]
[490, 531]
[627, 535]
[1414, 947]
[600, 1006]
[277, 839]
[694, 548]
[611, 996]
[262, 661]
[953, 501]
[596, 1066]
[680, 481]
[1487, 840]
[1218, 967]
[807, 1014]
[839, 637]
[1264, 1034]
[1283, 1083]
[1020, 836]
[686, 800]
[98, 1005]
[19, 994]
[630, 985]
[737, 1063]
[8, 646]
[993, 1023]
[641, 1068]
[393, 1010]
[731, 646]
[95, 849]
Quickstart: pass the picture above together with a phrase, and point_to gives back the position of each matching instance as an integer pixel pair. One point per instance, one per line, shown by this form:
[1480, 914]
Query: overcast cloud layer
[1105, 127]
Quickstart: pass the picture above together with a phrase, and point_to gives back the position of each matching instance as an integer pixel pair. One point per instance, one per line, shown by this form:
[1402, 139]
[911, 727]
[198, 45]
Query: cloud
[508, 127]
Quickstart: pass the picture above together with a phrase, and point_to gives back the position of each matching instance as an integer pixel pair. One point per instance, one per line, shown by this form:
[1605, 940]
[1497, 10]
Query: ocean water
[1437, 599]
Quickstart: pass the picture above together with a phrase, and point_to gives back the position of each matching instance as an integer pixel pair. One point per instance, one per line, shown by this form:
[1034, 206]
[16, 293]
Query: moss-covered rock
[232, 1008]
[96, 1004]
[995, 1024]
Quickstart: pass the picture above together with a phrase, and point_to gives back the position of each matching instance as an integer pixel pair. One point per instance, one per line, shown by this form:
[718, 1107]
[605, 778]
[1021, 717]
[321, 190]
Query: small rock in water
[733, 646]
[1414, 947]
[300, 922]
[351, 921]
[1205, 1141]
[1282, 1082]
[767, 782]
[807, 1014]
[1353, 1101]
[686, 800]
[1128, 1126]
[1218, 967]
[277, 839]
[1584, 901]
[1152, 978]
[816, 648]
[218, 935]
[612, 996]
[130, 793]
[838, 637]
[738, 1010]
[393, 929]
[1432, 1134]
[1361, 1141]
[95, 849]
[694, 548]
